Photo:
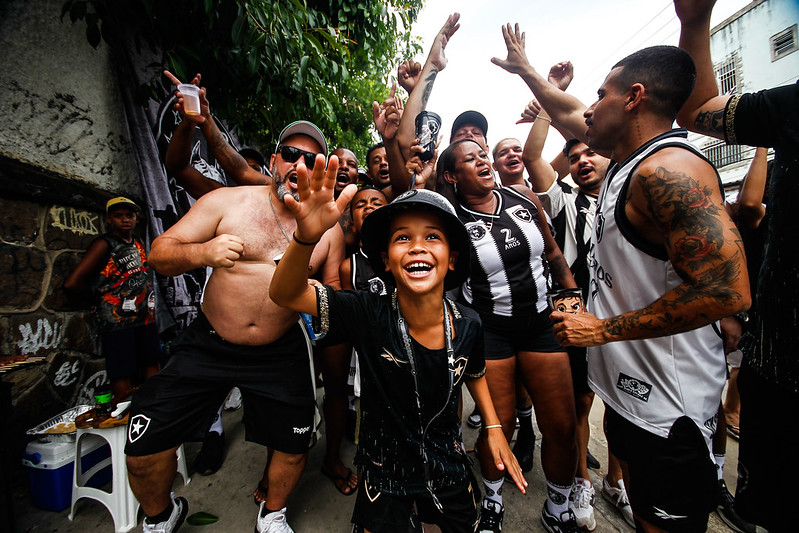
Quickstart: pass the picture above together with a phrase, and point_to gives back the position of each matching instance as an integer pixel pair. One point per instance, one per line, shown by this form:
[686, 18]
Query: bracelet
[294, 236]
[544, 118]
[492, 426]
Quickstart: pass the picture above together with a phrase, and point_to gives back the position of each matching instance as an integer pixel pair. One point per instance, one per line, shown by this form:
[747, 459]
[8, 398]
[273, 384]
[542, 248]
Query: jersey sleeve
[554, 199]
[761, 118]
[342, 315]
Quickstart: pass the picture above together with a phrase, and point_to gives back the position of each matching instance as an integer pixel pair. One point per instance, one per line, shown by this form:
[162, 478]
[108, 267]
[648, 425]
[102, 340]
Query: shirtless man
[666, 262]
[241, 338]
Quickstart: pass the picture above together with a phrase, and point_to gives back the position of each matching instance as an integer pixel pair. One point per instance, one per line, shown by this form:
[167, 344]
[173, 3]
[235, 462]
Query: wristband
[493, 426]
[294, 236]
[544, 118]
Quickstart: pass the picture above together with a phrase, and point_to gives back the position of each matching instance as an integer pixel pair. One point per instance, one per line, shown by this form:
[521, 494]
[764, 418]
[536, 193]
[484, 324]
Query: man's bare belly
[236, 303]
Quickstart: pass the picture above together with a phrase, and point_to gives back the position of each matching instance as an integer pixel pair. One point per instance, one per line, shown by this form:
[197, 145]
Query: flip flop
[734, 431]
[263, 490]
[346, 490]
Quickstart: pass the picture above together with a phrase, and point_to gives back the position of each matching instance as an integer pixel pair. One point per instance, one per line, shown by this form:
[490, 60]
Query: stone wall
[64, 150]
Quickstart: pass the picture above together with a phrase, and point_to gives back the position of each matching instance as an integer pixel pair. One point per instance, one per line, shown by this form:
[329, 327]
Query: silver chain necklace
[279, 225]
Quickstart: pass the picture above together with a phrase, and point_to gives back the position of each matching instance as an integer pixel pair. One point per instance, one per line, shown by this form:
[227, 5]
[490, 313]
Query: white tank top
[650, 382]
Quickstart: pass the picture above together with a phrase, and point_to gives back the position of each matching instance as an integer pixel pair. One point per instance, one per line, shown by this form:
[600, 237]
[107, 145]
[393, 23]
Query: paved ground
[316, 506]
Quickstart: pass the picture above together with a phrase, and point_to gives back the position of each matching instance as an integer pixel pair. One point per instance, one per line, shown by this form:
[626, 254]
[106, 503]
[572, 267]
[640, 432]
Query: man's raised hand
[408, 74]
[205, 108]
[516, 62]
[317, 210]
[530, 112]
[388, 114]
[437, 56]
[561, 75]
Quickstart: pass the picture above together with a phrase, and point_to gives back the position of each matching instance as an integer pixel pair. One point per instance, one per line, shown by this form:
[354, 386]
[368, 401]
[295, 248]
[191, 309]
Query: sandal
[263, 490]
[734, 431]
[342, 483]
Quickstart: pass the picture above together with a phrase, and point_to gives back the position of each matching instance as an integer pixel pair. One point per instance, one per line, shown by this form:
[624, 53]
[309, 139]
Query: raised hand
[223, 251]
[408, 74]
[530, 112]
[205, 108]
[516, 62]
[316, 211]
[561, 75]
[436, 56]
[388, 114]
[693, 11]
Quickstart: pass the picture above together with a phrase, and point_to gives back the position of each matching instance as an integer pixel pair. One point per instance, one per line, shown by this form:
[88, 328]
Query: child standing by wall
[416, 349]
[114, 269]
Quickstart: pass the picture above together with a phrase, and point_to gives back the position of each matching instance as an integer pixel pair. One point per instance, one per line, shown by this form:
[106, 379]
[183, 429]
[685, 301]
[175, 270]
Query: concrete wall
[64, 149]
[59, 99]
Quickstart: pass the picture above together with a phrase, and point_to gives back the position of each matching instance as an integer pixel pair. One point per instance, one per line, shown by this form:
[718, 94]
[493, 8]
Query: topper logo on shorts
[138, 425]
[300, 431]
[634, 387]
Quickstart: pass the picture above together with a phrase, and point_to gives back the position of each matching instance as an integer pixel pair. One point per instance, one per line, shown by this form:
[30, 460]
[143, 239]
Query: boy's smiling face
[419, 255]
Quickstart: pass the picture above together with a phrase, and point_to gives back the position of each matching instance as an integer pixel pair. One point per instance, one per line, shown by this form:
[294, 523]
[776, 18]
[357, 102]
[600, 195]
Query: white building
[754, 49]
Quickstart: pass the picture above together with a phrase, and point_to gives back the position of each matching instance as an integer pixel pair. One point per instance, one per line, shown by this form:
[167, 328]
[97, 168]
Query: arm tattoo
[695, 232]
[710, 121]
[428, 88]
[229, 158]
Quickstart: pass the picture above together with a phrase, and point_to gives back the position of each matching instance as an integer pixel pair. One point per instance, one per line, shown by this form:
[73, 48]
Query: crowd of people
[422, 274]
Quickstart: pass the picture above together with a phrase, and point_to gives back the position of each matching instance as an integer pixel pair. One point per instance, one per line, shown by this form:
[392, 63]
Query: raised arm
[234, 165]
[315, 212]
[679, 195]
[564, 108]
[541, 173]
[750, 198]
[178, 154]
[704, 110]
[387, 118]
[417, 101]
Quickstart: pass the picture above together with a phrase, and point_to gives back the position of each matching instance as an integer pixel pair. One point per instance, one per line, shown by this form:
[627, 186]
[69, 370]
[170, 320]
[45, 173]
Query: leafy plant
[266, 63]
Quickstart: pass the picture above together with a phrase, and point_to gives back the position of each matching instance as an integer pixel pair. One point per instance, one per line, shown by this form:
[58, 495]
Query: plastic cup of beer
[191, 98]
[566, 301]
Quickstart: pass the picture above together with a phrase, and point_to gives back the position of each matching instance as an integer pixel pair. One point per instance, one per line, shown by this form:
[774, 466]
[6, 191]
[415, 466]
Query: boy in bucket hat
[416, 349]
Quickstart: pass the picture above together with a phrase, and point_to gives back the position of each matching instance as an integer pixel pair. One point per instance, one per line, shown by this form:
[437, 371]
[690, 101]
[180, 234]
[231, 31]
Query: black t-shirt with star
[389, 447]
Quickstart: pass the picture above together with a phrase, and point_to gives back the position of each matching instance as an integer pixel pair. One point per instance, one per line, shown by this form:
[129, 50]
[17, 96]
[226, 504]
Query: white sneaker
[180, 509]
[618, 497]
[233, 401]
[581, 502]
[272, 522]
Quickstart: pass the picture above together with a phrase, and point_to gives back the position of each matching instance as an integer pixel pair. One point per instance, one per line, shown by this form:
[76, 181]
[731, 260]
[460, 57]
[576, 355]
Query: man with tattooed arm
[666, 262]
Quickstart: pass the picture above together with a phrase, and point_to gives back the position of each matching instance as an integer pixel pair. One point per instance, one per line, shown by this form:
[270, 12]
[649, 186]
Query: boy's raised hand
[317, 211]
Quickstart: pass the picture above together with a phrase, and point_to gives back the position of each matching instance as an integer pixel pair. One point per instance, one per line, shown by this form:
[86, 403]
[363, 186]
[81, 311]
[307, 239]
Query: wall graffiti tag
[44, 337]
[74, 220]
[67, 374]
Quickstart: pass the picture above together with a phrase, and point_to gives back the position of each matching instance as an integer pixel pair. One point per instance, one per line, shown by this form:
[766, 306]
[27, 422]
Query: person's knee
[289, 459]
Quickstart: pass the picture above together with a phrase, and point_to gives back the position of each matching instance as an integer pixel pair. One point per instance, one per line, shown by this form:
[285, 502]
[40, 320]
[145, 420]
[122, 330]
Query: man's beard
[283, 188]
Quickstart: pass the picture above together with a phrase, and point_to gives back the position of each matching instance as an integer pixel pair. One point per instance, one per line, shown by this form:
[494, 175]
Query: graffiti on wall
[44, 337]
[75, 220]
[67, 373]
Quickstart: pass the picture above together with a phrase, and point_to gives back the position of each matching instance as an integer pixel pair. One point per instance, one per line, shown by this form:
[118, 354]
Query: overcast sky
[592, 34]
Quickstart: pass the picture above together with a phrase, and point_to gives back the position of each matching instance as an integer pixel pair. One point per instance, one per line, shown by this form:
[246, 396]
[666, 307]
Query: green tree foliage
[266, 63]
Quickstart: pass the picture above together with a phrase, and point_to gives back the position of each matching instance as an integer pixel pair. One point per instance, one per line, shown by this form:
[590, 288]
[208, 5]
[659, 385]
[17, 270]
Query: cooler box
[50, 469]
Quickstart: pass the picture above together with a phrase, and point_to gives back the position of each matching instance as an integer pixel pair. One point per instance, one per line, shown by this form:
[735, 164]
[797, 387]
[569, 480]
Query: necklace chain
[279, 225]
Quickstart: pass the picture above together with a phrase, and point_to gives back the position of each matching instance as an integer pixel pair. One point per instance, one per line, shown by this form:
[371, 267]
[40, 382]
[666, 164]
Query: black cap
[469, 117]
[374, 233]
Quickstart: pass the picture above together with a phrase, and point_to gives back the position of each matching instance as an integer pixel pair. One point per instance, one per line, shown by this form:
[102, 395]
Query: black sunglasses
[291, 155]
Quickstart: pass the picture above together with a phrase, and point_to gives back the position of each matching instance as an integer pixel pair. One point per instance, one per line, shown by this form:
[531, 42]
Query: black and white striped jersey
[509, 273]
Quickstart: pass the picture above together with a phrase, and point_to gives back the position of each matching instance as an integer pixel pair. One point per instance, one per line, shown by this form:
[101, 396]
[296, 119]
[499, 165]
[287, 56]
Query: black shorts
[179, 403]
[578, 361]
[672, 480]
[129, 349]
[387, 513]
[505, 336]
